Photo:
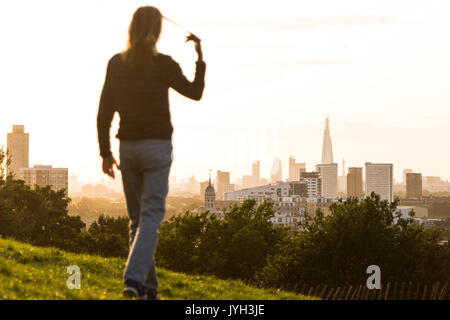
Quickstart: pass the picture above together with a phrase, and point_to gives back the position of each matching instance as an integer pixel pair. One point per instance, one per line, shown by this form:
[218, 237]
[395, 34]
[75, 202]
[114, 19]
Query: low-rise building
[44, 176]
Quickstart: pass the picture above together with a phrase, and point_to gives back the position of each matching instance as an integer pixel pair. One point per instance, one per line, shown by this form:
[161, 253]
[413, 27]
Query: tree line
[335, 249]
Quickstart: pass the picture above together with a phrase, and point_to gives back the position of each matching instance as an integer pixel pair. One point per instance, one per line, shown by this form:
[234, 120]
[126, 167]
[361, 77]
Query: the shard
[327, 148]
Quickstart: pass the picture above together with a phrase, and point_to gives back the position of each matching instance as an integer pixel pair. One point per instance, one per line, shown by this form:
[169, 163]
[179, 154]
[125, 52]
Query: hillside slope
[28, 272]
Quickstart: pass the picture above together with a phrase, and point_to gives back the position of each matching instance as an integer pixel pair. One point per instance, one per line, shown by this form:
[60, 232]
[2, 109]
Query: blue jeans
[145, 166]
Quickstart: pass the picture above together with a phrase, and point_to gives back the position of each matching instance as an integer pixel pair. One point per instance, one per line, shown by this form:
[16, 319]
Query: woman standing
[137, 87]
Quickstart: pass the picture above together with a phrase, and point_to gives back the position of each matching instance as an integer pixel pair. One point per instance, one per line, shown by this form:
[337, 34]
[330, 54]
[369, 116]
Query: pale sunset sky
[275, 69]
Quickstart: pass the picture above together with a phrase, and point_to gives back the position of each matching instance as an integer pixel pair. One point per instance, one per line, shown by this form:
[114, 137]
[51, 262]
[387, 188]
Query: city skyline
[278, 163]
[377, 69]
[378, 177]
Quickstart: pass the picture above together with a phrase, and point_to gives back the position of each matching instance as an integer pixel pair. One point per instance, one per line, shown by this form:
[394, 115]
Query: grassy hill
[28, 272]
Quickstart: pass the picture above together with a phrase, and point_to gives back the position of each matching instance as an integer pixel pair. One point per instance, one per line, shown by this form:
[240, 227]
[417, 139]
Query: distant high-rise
[342, 180]
[433, 184]
[379, 179]
[253, 180]
[414, 185]
[294, 169]
[313, 184]
[355, 182]
[329, 176]
[256, 172]
[18, 149]
[327, 148]
[223, 184]
[275, 173]
[405, 172]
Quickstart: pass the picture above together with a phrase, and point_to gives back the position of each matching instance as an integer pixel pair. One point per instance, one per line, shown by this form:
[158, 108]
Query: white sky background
[380, 69]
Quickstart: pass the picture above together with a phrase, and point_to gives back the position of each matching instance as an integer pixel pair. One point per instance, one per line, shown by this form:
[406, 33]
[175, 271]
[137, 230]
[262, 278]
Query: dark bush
[337, 249]
[236, 246]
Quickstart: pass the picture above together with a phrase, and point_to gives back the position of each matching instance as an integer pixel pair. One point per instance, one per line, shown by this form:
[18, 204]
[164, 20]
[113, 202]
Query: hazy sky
[380, 69]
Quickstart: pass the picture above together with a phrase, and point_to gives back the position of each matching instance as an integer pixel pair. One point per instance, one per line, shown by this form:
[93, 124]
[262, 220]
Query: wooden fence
[390, 291]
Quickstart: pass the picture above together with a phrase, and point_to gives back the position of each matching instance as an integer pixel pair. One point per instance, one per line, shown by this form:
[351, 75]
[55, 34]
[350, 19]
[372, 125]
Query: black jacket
[141, 97]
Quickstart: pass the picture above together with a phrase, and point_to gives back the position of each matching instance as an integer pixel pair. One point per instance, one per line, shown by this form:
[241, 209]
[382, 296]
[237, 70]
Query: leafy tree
[236, 246]
[179, 238]
[5, 161]
[39, 215]
[338, 248]
[109, 236]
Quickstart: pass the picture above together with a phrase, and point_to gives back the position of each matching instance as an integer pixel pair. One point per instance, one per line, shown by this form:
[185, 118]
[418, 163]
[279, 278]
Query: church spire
[210, 195]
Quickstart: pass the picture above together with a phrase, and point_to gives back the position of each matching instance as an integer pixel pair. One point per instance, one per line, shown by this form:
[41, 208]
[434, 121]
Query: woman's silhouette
[136, 86]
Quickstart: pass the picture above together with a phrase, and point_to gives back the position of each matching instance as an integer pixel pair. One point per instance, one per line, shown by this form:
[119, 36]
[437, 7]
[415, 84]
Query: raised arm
[192, 90]
[178, 81]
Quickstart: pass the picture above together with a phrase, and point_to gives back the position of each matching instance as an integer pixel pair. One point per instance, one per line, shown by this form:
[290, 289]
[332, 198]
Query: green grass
[28, 272]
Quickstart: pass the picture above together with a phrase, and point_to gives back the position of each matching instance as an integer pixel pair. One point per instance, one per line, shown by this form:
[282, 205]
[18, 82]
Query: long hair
[143, 34]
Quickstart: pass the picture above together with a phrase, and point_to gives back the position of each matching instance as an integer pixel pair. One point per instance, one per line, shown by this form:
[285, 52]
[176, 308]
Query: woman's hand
[108, 164]
[198, 46]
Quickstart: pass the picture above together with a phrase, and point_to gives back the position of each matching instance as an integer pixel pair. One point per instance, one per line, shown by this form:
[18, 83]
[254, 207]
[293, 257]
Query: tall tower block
[18, 144]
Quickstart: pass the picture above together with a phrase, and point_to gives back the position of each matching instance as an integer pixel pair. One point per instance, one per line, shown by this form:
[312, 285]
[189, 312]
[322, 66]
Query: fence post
[433, 288]
[367, 292]
[341, 293]
[336, 293]
[303, 289]
[353, 295]
[386, 293]
[416, 295]
[330, 294]
[360, 291]
[347, 296]
[311, 291]
[408, 294]
[436, 289]
[402, 291]
[380, 294]
[324, 291]
[394, 295]
[424, 295]
[443, 291]
[317, 291]
[372, 294]
[358, 295]
[363, 293]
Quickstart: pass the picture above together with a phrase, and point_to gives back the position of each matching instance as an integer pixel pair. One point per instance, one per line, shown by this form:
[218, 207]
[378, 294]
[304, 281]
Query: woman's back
[141, 97]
